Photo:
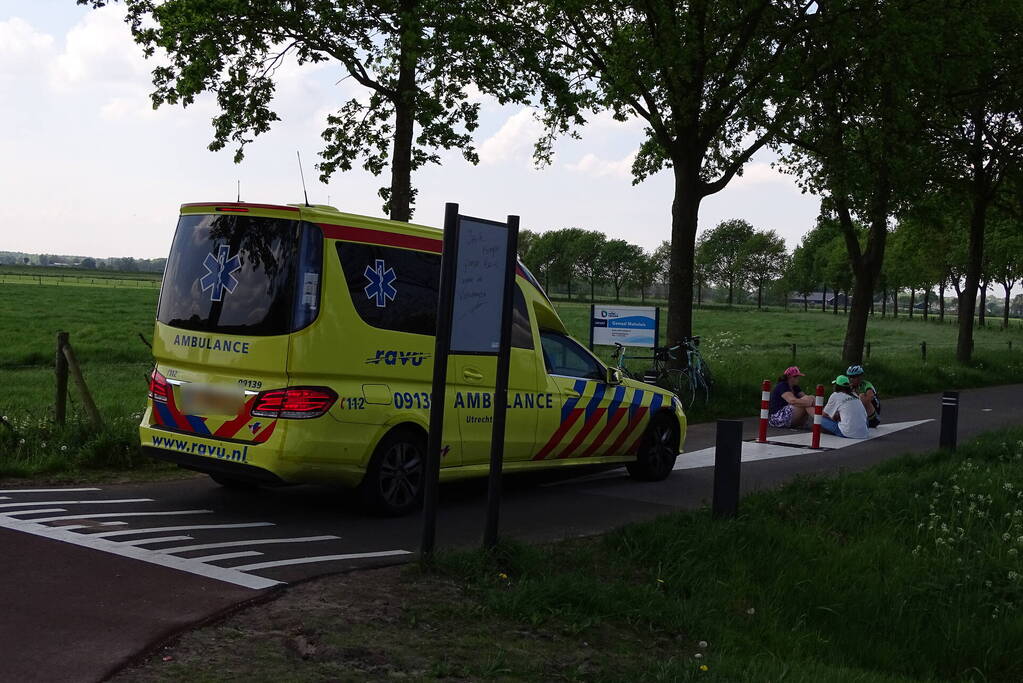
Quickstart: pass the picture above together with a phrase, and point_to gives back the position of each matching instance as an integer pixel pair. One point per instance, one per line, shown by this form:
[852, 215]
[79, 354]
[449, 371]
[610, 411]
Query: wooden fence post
[60, 369]
[83, 389]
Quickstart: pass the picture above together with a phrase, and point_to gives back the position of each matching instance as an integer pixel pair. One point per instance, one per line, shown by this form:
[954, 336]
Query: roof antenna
[239, 191]
[299, 155]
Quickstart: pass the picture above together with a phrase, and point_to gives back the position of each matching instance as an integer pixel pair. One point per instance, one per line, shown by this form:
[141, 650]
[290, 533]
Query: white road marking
[226, 556]
[321, 558]
[158, 539]
[46, 490]
[255, 541]
[785, 446]
[76, 502]
[5, 497]
[30, 512]
[833, 442]
[228, 575]
[116, 514]
[161, 529]
[69, 527]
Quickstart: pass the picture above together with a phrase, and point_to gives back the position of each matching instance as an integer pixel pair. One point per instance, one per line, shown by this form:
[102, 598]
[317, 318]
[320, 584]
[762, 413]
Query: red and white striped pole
[765, 397]
[818, 411]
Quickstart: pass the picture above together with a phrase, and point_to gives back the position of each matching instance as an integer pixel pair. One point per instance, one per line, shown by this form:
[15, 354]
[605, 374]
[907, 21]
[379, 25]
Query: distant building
[814, 299]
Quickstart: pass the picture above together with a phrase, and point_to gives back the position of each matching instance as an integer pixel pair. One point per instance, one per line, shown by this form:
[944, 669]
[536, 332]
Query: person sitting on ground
[867, 394]
[789, 406]
[844, 414]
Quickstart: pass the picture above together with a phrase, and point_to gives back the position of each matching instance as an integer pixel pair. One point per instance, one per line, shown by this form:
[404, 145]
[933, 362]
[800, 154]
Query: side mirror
[613, 376]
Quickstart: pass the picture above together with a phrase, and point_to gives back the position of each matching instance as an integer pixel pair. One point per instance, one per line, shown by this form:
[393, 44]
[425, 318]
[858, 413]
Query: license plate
[205, 399]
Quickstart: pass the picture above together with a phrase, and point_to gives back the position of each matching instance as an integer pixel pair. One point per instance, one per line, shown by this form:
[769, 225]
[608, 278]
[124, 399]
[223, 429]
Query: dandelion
[502, 576]
[21, 441]
[704, 667]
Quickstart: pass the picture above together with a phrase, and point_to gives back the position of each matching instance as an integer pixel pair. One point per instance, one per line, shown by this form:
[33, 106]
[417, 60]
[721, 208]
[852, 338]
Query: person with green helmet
[844, 414]
[867, 394]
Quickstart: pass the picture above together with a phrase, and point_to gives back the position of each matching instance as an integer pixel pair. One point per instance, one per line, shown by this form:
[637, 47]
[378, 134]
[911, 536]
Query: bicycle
[684, 382]
[618, 357]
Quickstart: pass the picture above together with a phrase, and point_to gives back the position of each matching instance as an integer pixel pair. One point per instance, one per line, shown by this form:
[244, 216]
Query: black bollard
[727, 459]
[949, 420]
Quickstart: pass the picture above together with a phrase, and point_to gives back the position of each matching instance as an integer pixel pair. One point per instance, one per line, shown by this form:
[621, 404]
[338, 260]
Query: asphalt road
[93, 576]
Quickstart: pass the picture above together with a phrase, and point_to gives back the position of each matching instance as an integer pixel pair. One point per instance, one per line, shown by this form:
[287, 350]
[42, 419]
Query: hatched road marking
[128, 542]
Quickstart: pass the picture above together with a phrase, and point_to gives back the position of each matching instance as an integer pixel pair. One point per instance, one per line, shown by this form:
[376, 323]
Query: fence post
[868, 350]
[949, 420]
[727, 463]
[1010, 345]
[60, 369]
[765, 397]
[793, 354]
[818, 412]
[923, 350]
[83, 389]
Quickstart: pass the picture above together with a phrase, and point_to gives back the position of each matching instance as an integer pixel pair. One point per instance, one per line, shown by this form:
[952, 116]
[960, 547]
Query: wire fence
[80, 281]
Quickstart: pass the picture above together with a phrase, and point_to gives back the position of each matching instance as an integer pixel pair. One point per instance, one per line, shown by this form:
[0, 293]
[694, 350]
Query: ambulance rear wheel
[232, 483]
[658, 451]
[394, 480]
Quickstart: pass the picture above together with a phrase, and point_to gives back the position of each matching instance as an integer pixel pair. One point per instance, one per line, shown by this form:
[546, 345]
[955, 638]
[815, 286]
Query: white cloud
[21, 47]
[758, 173]
[100, 51]
[594, 166]
[514, 140]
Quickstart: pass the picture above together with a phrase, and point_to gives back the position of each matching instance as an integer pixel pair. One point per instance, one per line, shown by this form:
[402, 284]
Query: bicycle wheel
[680, 383]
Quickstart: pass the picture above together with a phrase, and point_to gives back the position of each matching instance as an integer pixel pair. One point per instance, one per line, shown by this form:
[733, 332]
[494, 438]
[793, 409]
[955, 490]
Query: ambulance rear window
[237, 274]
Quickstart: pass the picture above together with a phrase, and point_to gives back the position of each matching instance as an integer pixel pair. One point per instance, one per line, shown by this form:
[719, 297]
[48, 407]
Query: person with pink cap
[789, 406]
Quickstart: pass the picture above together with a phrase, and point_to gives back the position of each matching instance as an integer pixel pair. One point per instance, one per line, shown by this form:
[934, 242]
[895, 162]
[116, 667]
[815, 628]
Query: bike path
[147, 559]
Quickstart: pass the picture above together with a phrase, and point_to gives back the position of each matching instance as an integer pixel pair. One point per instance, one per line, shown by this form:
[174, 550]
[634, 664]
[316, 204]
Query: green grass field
[912, 571]
[743, 348]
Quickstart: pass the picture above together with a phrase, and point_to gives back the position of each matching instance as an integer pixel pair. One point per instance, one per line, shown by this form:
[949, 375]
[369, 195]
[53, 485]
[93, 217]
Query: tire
[394, 480]
[658, 451]
[232, 483]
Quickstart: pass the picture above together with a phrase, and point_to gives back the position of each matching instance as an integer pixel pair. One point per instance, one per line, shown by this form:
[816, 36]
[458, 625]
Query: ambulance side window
[397, 289]
[563, 356]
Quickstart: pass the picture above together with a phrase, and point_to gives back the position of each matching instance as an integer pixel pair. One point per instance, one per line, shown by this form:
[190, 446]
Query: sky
[88, 168]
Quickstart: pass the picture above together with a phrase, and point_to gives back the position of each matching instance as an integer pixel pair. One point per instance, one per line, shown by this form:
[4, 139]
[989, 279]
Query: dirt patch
[385, 624]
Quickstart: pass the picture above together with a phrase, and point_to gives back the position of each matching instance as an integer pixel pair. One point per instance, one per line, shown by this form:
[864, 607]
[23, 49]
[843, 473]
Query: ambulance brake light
[232, 209]
[158, 387]
[296, 403]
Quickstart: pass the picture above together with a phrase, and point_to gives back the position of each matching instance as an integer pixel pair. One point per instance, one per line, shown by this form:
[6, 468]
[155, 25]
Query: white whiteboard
[479, 287]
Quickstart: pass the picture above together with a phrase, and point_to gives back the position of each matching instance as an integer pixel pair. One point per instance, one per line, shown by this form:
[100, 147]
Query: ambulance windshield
[237, 274]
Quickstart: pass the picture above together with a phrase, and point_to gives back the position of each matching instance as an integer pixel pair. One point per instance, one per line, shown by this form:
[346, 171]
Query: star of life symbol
[219, 271]
[380, 288]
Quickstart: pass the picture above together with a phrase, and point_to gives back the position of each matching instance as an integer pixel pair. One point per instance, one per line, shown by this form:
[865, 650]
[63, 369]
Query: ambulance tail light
[295, 403]
[159, 389]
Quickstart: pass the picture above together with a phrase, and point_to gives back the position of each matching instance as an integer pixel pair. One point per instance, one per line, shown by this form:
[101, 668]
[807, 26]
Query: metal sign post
[435, 439]
[474, 317]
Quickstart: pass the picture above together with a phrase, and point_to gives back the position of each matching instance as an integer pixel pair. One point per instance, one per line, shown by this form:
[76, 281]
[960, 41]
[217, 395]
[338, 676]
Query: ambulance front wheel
[658, 451]
[393, 484]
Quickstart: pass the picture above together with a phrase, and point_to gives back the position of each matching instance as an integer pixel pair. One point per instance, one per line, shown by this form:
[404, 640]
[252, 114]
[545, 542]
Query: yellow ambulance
[294, 344]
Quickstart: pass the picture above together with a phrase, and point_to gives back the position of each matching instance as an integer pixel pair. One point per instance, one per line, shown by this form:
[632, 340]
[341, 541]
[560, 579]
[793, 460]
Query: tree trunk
[862, 299]
[760, 289]
[1005, 313]
[912, 300]
[941, 302]
[399, 200]
[845, 304]
[834, 301]
[731, 288]
[699, 293]
[975, 252]
[824, 299]
[570, 288]
[927, 303]
[806, 305]
[591, 291]
[884, 302]
[895, 303]
[685, 211]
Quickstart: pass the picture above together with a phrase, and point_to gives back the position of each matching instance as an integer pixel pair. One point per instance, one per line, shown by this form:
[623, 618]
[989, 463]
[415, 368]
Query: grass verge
[908, 572]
